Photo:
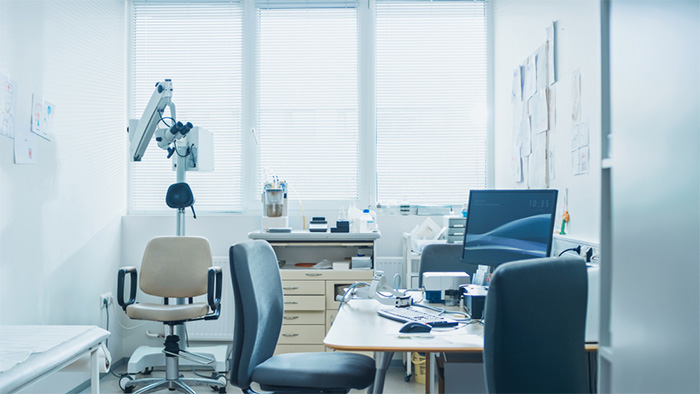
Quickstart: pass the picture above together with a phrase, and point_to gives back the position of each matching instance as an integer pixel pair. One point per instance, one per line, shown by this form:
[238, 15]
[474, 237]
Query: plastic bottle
[354, 214]
[366, 222]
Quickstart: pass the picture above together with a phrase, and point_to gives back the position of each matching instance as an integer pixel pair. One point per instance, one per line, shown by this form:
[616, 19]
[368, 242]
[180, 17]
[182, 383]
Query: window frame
[366, 84]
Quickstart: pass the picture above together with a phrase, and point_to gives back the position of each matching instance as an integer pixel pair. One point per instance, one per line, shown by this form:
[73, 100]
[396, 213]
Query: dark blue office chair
[443, 258]
[257, 290]
[534, 331]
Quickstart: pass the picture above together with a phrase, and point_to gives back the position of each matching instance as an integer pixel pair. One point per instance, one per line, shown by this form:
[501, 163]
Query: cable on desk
[576, 249]
[348, 291]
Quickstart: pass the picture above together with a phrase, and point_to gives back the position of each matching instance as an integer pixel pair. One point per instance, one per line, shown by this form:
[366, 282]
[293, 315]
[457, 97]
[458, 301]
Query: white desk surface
[30, 352]
[359, 327]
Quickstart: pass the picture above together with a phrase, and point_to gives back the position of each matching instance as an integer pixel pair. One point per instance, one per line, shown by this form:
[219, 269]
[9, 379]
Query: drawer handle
[313, 274]
[290, 335]
[291, 317]
[291, 302]
[291, 288]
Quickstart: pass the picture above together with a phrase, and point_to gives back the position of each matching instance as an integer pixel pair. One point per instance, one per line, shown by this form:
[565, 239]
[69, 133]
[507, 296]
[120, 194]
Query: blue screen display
[508, 225]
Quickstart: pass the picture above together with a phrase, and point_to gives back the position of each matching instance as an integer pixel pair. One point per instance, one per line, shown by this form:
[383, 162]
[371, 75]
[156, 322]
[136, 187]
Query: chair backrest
[175, 267]
[443, 258]
[534, 330]
[259, 307]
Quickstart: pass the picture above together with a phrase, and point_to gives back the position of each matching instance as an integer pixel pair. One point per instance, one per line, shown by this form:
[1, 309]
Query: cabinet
[309, 294]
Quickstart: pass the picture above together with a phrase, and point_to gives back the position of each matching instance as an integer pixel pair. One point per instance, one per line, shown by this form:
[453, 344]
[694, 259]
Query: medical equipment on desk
[378, 290]
[436, 283]
[274, 200]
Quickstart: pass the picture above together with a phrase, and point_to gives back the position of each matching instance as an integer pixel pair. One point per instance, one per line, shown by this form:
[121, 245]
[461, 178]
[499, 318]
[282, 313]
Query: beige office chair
[181, 268]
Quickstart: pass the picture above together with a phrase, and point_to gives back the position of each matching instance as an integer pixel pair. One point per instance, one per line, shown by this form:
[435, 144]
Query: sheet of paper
[537, 167]
[47, 119]
[516, 164]
[550, 160]
[552, 107]
[25, 144]
[516, 94]
[576, 96]
[529, 76]
[541, 67]
[551, 65]
[525, 137]
[537, 108]
[8, 105]
[39, 117]
[584, 135]
[575, 136]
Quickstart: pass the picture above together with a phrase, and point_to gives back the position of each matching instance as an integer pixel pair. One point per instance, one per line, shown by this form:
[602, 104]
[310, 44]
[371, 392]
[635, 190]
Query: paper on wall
[576, 95]
[541, 67]
[524, 137]
[551, 66]
[552, 107]
[537, 167]
[516, 164]
[516, 94]
[538, 112]
[47, 119]
[39, 117]
[8, 104]
[529, 76]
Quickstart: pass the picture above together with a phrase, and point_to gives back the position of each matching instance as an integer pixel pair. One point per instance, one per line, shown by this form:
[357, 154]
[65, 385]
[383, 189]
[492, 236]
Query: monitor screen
[508, 225]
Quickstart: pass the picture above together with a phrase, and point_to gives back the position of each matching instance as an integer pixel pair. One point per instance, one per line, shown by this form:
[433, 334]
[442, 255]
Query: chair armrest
[120, 287]
[214, 289]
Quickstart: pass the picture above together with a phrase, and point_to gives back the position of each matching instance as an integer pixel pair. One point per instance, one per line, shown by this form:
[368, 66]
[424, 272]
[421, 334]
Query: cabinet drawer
[302, 334]
[303, 317]
[281, 349]
[304, 303]
[307, 287]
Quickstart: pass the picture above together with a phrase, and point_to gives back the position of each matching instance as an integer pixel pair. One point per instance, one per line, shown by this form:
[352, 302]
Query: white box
[441, 281]
[341, 265]
[201, 157]
[361, 262]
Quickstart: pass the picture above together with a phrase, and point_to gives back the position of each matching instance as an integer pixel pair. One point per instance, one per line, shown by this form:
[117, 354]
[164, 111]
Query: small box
[361, 262]
[341, 265]
[436, 283]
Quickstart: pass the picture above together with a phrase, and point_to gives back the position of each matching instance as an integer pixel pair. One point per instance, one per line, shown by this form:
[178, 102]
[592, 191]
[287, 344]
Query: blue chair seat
[315, 371]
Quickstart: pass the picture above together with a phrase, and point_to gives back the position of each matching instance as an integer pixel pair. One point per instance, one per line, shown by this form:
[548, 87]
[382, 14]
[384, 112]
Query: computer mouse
[414, 327]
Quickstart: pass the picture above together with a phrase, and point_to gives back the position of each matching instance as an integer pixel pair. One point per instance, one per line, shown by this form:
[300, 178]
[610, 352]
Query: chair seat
[332, 370]
[166, 313]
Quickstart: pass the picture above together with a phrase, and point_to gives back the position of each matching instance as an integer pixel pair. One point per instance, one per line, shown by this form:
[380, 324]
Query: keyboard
[410, 314]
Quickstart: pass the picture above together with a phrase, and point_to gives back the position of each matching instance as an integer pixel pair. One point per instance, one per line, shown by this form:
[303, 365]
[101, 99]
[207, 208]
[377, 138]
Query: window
[307, 85]
[431, 100]
[198, 46]
[307, 98]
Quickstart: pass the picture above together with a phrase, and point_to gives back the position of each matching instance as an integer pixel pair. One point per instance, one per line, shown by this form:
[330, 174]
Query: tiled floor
[394, 384]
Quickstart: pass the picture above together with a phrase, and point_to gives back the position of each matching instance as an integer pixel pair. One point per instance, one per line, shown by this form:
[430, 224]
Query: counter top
[301, 235]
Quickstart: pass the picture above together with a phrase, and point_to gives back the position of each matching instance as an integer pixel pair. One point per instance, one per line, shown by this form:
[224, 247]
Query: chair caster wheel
[123, 382]
[222, 379]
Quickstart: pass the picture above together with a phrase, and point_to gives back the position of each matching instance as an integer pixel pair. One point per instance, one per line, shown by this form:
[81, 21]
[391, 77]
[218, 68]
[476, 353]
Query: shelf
[307, 236]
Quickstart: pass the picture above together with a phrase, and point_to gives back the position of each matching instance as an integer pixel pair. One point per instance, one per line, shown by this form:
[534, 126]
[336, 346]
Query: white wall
[519, 29]
[60, 218]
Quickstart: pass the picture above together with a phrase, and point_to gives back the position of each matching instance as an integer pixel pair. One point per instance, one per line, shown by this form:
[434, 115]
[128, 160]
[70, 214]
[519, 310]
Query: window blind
[307, 97]
[198, 46]
[431, 92]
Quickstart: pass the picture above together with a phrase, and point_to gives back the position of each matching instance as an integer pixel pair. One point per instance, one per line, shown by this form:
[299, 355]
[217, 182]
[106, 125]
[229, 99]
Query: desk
[29, 353]
[358, 327]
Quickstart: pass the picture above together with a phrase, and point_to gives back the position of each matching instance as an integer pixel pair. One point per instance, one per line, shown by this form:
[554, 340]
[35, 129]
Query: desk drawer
[304, 303]
[302, 334]
[303, 317]
[306, 287]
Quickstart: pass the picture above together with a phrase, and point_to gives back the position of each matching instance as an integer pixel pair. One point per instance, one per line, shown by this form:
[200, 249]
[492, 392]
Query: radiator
[220, 329]
[391, 266]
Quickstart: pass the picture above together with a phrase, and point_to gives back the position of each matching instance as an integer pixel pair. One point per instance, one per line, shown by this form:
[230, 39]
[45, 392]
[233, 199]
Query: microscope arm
[140, 133]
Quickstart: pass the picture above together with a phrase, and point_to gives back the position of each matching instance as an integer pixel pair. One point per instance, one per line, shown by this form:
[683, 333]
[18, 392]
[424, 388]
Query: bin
[418, 367]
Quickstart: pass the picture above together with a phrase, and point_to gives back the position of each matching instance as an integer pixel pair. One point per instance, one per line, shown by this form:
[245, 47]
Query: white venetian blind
[431, 59]
[307, 97]
[197, 44]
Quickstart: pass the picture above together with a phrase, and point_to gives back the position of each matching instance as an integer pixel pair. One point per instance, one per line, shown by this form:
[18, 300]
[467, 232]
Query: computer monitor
[508, 225]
